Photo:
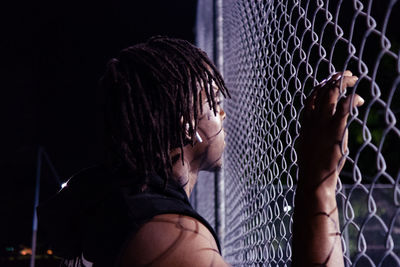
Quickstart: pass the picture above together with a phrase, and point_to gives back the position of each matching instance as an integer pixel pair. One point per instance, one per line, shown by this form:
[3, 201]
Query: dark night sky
[52, 55]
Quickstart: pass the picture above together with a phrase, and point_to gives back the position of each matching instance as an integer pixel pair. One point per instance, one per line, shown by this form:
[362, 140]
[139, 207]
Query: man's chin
[217, 166]
[213, 166]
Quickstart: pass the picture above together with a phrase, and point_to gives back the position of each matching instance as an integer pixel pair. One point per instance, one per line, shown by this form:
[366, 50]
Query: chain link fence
[273, 53]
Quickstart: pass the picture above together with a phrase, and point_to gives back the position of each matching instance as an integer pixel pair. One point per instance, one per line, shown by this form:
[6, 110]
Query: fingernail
[361, 101]
[347, 73]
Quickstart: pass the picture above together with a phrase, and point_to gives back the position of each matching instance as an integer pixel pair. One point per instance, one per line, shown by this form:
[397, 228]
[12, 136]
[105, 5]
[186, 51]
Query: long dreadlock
[153, 93]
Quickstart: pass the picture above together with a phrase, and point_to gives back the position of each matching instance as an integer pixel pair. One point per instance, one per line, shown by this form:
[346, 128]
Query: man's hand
[321, 151]
[323, 138]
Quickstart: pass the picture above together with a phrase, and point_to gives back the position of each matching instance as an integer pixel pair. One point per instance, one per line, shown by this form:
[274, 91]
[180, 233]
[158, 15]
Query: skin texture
[176, 240]
[173, 240]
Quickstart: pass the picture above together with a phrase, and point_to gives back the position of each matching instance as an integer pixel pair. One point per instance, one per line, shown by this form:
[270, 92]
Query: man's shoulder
[172, 240]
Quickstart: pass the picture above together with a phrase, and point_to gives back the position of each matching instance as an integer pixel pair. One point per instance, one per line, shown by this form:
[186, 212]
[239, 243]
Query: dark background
[52, 56]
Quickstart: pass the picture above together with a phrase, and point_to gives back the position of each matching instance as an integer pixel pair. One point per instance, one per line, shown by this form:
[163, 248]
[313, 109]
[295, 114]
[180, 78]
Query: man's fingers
[347, 73]
[322, 102]
[328, 103]
[309, 105]
[344, 105]
[331, 99]
[343, 110]
[322, 89]
[326, 100]
[349, 80]
[325, 92]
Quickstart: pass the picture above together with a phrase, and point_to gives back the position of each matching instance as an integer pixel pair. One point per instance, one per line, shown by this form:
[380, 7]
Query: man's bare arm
[322, 141]
[172, 240]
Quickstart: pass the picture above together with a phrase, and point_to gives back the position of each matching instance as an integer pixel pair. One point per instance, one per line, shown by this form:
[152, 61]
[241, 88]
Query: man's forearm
[316, 231]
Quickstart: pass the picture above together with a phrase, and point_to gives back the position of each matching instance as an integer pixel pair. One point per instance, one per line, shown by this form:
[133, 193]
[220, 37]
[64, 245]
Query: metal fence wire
[271, 54]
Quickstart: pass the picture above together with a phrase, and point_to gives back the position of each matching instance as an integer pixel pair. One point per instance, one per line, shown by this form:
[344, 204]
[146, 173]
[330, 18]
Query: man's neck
[185, 174]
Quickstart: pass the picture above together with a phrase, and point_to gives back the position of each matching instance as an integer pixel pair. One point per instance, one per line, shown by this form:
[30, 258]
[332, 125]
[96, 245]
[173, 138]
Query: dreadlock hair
[153, 91]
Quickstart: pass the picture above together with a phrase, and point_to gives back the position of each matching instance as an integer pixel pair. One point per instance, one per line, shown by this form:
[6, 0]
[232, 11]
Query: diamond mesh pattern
[274, 52]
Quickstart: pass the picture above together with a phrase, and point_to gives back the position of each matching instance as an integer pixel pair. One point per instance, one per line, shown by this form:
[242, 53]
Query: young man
[164, 125]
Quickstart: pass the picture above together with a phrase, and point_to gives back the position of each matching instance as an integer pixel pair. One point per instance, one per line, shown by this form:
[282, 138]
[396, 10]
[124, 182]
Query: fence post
[36, 203]
[219, 175]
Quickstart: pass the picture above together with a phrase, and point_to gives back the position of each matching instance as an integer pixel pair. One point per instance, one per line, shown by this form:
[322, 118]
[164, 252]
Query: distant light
[9, 249]
[50, 252]
[26, 251]
[287, 208]
[64, 184]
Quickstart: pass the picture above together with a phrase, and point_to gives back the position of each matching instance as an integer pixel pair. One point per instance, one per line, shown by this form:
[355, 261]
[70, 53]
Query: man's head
[154, 97]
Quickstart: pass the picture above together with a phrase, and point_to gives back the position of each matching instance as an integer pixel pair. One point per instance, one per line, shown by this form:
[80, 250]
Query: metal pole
[219, 175]
[35, 205]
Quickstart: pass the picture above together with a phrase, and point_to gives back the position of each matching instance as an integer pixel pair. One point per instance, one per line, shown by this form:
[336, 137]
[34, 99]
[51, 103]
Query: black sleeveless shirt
[91, 219]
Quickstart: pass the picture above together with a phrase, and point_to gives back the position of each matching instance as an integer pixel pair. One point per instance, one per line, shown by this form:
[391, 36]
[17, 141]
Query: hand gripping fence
[271, 54]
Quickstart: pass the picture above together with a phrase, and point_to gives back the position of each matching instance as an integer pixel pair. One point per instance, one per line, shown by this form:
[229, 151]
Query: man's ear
[187, 132]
